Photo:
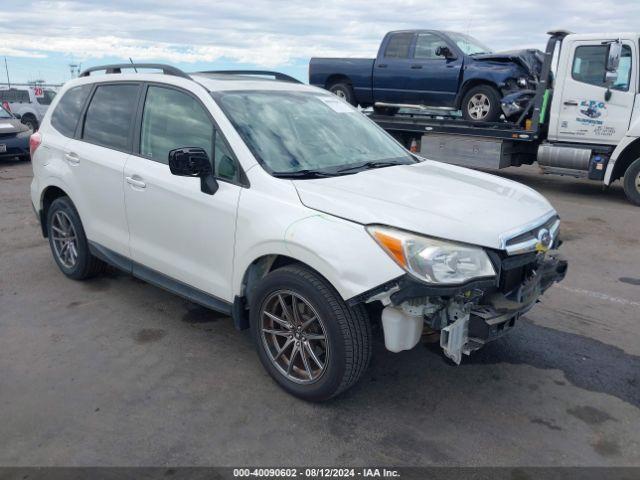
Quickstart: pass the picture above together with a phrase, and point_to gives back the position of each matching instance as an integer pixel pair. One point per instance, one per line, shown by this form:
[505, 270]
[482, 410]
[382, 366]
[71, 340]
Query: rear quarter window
[67, 113]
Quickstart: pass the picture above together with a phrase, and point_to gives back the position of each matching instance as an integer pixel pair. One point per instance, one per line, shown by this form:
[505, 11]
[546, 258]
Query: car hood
[11, 125]
[430, 198]
[530, 59]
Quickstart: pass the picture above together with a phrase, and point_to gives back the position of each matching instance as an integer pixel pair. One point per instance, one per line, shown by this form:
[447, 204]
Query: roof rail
[117, 68]
[267, 73]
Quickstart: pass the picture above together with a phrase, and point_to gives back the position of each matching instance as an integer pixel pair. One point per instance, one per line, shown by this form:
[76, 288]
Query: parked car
[289, 210]
[30, 103]
[430, 68]
[14, 137]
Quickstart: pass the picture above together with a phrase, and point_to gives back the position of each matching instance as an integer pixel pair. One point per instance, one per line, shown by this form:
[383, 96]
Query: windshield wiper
[368, 166]
[305, 173]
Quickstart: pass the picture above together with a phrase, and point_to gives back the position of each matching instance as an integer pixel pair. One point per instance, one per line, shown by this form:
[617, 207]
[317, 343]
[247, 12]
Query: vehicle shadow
[585, 362]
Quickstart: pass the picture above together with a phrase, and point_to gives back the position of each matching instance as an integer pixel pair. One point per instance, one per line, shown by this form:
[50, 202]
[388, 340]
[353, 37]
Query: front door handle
[72, 158]
[136, 183]
[415, 67]
[571, 103]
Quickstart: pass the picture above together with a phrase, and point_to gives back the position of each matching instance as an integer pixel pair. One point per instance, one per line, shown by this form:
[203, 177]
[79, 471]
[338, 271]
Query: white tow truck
[582, 119]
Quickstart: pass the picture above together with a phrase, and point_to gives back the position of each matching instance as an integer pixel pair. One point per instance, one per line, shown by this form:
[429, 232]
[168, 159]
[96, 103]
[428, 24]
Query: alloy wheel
[479, 106]
[294, 336]
[65, 240]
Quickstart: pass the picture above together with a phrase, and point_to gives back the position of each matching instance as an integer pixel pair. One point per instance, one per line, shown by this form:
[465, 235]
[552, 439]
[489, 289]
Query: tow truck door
[580, 112]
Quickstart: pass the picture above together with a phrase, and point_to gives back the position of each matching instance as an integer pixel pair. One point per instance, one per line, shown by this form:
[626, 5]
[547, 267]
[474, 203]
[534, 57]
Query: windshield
[4, 113]
[469, 45]
[47, 97]
[292, 132]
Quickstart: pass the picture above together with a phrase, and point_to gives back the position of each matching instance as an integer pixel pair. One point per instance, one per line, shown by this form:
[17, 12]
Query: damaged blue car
[431, 69]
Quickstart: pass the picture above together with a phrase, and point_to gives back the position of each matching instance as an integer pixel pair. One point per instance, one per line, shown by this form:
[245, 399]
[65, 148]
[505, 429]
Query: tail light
[34, 142]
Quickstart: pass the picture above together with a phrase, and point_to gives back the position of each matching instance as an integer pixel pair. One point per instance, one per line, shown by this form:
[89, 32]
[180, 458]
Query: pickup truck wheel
[69, 243]
[343, 91]
[311, 343]
[481, 104]
[632, 182]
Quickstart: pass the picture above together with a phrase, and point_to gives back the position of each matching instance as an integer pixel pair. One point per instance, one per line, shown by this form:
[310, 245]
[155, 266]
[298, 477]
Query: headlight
[522, 82]
[432, 260]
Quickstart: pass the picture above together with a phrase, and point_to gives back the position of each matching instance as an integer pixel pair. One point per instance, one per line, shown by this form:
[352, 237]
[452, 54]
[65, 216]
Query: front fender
[341, 251]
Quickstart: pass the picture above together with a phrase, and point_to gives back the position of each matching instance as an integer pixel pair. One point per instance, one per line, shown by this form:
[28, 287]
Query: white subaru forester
[282, 206]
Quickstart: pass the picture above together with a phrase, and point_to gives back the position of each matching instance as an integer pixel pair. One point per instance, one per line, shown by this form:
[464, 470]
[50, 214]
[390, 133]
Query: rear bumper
[15, 146]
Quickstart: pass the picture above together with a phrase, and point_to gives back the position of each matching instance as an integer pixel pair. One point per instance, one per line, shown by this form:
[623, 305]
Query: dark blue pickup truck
[429, 68]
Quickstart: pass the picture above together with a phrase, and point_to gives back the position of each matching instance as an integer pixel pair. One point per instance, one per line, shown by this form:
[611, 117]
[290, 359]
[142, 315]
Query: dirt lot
[116, 372]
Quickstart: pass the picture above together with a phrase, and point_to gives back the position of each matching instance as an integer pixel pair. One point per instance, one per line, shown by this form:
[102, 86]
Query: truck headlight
[522, 82]
[432, 260]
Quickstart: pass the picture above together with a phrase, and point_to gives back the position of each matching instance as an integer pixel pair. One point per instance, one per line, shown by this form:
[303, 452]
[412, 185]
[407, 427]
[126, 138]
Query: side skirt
[160, 280]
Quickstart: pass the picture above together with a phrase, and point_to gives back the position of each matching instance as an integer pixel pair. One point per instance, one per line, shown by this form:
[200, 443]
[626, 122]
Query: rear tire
[631, 182]
[344, 91]
[481, 104]
[344, 351]
[69, 243]
[386, 110]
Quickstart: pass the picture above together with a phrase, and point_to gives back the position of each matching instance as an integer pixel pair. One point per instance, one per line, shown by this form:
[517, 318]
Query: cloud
[273, 33]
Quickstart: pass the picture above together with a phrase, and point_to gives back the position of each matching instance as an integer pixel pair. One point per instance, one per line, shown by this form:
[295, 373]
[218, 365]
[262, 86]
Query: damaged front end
[468, 316]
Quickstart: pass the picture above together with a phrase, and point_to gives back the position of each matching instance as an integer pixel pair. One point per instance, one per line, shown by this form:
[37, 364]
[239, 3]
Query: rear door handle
[136, 183]
[415, 67]
[571, 103]
[72, 158]
[382, 65]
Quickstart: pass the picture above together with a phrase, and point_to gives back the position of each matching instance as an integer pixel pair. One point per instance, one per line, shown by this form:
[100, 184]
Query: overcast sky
[40, 39]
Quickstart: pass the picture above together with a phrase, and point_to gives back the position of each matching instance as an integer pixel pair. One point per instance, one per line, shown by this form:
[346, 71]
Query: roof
[604, 36]
[223, 82]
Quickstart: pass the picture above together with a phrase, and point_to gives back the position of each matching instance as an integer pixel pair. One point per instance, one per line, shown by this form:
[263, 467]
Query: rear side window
[67, 113]
[14, 96]
[398, 46]
[109, 116]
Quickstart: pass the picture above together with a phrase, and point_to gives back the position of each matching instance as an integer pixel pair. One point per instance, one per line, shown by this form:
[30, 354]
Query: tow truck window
[589, 65]
[398, 46]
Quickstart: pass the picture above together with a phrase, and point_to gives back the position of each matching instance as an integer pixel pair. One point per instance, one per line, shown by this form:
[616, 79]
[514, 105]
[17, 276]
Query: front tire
[311, 343]
[68, 241]
[632, 182]
[344, 91]
[481, 104]
[31, 122]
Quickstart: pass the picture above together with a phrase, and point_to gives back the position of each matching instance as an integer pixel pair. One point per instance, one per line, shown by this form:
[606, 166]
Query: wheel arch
[469, 84]
[337, 78]
[621, 162]
[49, 194]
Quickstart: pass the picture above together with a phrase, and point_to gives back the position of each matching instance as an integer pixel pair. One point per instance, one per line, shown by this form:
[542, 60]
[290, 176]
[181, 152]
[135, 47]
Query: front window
[590, 64]
[468, 44]
[296, 132]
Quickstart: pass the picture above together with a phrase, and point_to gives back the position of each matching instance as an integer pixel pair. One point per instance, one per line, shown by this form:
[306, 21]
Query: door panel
[391, 69]
[97, 160]
[175, 228]
[584, 114]
[432, 80]
[179, 231]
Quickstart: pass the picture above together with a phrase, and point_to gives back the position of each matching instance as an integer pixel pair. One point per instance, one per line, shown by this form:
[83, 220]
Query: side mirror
[444, 51]
[613, 56]
[18, 116]
[193, 162]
